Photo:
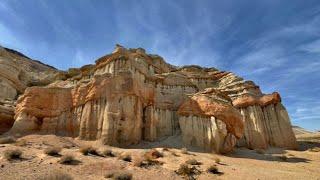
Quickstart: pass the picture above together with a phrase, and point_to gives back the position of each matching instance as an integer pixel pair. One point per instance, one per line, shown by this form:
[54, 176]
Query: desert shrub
[67, 159]
[107, 153]
[153, 154]
[213, 169]
[119, 175]
[165, 149]
[56, 175]
[7, 140]
[184, 151]
[52, 151]
[88, 150]
[21, 142]
[12, 154]
[193, 162]
[175, 154]
[283, 158]
[217, 160]
[260, 151]
[315, 149]
[145, 161]
[186, 170]
[125, 157]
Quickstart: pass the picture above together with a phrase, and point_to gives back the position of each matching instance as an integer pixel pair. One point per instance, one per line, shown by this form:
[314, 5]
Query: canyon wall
[130, 96]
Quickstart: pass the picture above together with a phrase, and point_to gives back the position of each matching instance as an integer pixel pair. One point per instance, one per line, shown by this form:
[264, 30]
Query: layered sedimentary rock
[17, 72]
[129, 96]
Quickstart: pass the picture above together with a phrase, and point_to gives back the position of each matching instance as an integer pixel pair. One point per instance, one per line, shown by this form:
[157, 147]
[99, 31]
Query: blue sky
[275, 43]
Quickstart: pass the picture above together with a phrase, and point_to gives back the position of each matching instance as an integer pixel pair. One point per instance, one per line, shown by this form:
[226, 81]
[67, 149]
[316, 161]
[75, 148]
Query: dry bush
[89, 150]
[107, 153]
[21, 142]
[7, 140]
[145, 161]
[175, 154]
[67, 159]
[165, 149]
[315, 149]
[12, 154]
[186, 170]
[52, 151]
[56, 175]
[217, 160]
[184, 151]
[260, 151]
[153, 154]
[213, 169]
[125, 157]
[119, 175]
[193, 162]
[283, 158]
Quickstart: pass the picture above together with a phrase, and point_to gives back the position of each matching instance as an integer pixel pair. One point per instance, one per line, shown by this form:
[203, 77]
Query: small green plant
[52, 151]
[193, 162]
[12, 154]
[119, 175]
[67, 159]
[7, 140]
[213, 169]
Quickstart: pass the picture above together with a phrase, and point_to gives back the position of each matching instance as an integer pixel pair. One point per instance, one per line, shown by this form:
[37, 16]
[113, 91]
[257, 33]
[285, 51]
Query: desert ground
[274, 163]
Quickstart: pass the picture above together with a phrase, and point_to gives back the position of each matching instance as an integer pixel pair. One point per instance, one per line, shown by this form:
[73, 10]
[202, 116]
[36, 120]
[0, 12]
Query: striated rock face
[130, 96]
[17, 72]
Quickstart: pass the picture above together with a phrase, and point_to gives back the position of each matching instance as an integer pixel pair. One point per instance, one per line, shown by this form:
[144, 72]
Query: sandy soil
[241, 164]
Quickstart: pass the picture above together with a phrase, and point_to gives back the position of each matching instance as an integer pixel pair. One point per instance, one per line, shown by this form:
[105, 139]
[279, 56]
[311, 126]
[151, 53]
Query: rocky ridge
[129, 96]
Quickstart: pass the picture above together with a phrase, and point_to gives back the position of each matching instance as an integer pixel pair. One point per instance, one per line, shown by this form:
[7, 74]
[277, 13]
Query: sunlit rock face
[129, 96]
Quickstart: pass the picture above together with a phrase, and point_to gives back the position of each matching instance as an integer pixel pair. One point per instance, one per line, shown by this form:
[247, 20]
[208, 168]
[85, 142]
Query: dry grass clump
[187, 171]
[213, 169]
[283, 158]
[21, 142]
[217, 160]
[7, 140]
[52, 151]
[193, 162]
[175, 154]
[108, 153]
[184, 151]
[88, 150]
[68, 159]
[315, 149]
[146, 160]
[12, 154]
[153, 154]
[56, 175]
[260, 151]
[119, 175]
[125, 157]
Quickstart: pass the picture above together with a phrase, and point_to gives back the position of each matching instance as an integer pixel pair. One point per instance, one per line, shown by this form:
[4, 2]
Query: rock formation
[129, 96]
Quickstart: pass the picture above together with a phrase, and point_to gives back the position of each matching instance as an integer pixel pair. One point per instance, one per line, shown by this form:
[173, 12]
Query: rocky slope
[129, 96]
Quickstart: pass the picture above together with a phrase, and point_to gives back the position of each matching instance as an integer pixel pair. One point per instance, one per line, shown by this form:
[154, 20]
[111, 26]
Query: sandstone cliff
[17, 72]
[129, 96]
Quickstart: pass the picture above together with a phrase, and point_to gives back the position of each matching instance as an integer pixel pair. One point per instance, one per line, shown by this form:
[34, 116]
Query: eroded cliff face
[17, 72]
[129, 96]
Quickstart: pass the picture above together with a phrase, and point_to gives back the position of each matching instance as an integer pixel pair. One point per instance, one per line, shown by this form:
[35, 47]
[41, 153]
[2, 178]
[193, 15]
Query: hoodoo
[129, 96]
